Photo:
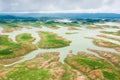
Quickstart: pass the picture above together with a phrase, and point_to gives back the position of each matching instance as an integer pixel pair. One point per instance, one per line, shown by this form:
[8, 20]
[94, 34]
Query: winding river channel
[78, 41]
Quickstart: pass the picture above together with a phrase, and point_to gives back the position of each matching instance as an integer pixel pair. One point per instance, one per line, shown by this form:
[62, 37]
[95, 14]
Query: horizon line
[63, 12]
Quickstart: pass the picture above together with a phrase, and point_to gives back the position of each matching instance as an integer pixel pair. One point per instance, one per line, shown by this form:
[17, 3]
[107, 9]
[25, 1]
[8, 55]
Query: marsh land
[59, 49]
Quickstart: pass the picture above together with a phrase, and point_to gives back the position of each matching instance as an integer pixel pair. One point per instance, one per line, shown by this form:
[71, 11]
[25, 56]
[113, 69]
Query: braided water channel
[78, 41]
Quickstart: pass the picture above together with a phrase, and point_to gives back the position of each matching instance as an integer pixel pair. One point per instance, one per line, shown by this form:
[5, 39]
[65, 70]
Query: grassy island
[51, 40]
[25, 38]
[10, 50]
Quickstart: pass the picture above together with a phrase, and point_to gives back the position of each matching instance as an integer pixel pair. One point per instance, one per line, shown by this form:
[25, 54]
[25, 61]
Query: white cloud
[111, 6]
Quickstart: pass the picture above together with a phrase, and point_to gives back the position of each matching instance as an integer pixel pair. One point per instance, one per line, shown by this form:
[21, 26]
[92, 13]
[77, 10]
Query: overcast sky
[81, 6]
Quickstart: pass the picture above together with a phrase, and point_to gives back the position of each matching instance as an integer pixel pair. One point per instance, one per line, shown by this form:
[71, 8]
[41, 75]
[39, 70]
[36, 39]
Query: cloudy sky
[80, 6]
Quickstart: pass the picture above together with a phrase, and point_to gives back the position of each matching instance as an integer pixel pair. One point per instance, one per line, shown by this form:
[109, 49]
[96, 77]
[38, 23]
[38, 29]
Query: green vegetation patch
[113, 33]
[109, 37]
[25, 38]
[8, 27]
[104, 43]
[72, 28]
[36, 24]
[71, 32]
[87, 62]
[91, 66]
[110, 75]
[68, 73]
[51, 40]
[72, 24]
[31, 74]
[9, 49]
[51, 24]
[39, 68]
[99, 26]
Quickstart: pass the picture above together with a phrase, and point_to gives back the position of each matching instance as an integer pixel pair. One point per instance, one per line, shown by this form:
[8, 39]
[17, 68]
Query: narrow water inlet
[78, 41]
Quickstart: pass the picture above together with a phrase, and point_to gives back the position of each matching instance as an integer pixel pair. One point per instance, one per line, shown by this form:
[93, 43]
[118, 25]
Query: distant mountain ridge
[60, 15]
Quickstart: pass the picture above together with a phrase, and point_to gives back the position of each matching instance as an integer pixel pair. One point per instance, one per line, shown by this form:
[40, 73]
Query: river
[79, 42]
